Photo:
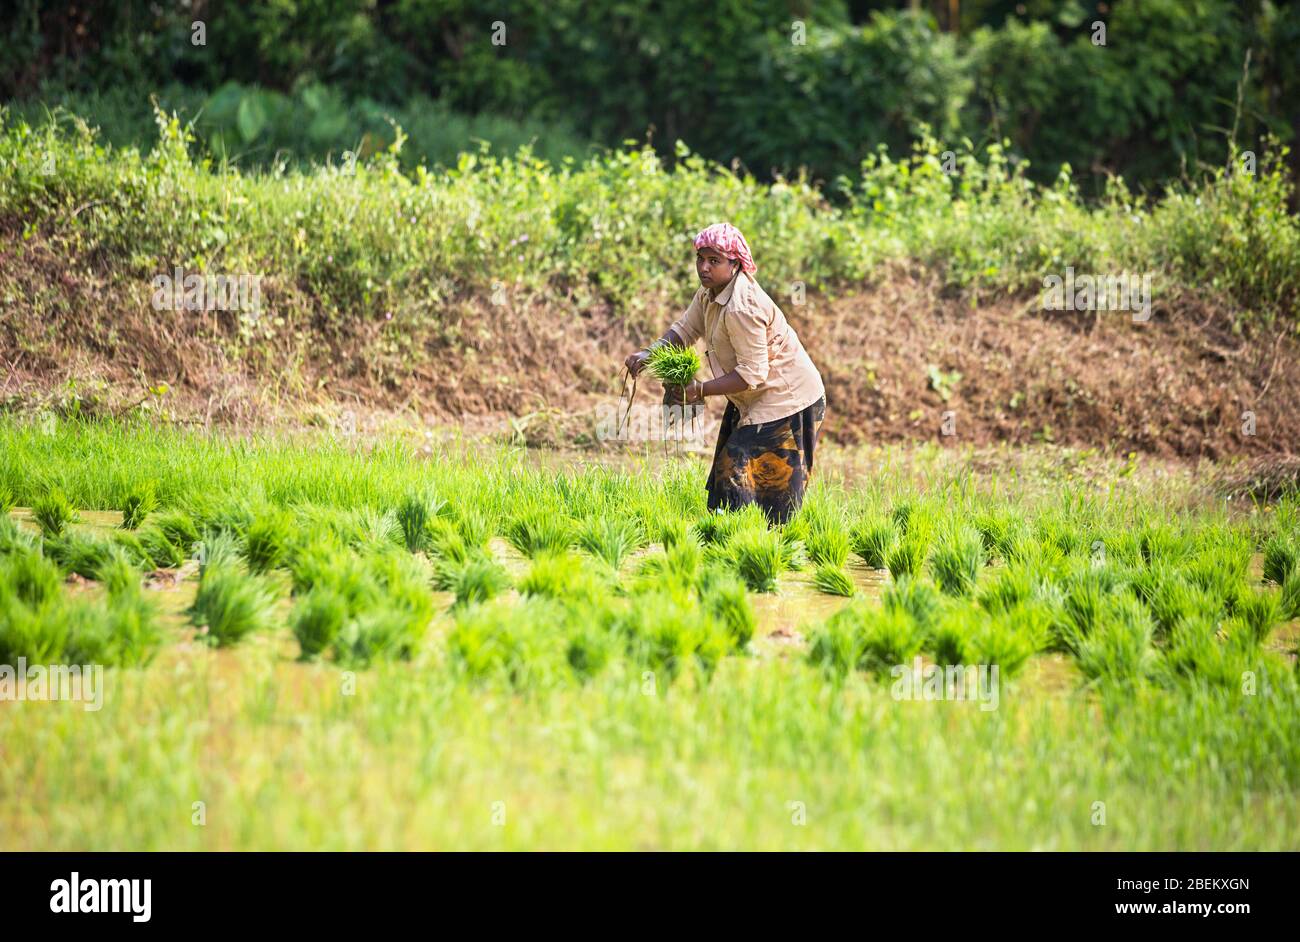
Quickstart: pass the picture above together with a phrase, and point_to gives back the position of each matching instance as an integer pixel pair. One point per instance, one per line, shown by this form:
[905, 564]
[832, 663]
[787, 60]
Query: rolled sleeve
[690, 326]
[747, 329]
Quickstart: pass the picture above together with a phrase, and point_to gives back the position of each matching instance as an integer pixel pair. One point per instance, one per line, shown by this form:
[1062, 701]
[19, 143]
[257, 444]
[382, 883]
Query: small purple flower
[388, 315]
[330, 259]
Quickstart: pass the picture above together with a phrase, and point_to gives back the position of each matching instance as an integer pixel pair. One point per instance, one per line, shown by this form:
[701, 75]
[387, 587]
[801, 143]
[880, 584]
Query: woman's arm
[695, 391]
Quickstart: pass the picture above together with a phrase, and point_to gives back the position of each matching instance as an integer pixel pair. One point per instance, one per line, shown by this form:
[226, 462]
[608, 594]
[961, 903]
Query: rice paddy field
[311, 643]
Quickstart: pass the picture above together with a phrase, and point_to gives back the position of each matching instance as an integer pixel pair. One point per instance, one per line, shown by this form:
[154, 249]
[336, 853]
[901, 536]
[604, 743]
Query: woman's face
[714, 268]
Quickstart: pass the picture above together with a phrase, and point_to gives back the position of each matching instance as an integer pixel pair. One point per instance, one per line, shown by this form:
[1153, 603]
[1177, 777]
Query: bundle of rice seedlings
[53, 513]
[475, 526]
[906, 557]
[132, 634]
[998, 533]
[957, 561]
[267, 540]
[1221, 572]
[872, 539]
[1009, 587]
[219, 549]
[1086, 591]
[1118, 647]
[130, 544]
[1195, 651]
[1172, 599]
[30, 577]
[442, 539]
[1289, 601]
[413, 515]
[178, 527]
[231, 604]
[951, 636]
[827, 544]
[6, 500]
[590, 650]
[1161, 544]
[540, 531]
[995, 644]
[78, 552]
[317, 619]
[758, 556]
[902, 516]
[890, 637]
[673, 531]
[669, 633]
[119, 576]
[676, 567]
[717, 528]
[1281, 559]
[832, 580]
[723, 597]
[383, 631]
[522, 645]
[477, 579]
[1259, 612]
[162, 552]
[138, 504]
[836, 644]
[673, 366]
[557, 575]
[610, 538]
[915, 597]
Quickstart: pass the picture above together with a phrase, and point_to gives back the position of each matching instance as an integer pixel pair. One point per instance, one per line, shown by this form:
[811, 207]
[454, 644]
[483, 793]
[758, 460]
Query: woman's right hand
[635, 361]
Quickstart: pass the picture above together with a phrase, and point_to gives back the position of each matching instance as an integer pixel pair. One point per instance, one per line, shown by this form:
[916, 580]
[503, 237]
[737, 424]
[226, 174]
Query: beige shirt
[744, 330]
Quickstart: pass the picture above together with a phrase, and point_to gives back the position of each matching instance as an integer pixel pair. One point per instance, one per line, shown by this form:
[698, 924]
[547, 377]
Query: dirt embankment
[902, 361]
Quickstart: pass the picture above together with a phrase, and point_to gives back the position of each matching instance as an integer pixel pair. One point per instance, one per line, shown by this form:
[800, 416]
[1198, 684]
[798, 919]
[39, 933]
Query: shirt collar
[725, 294]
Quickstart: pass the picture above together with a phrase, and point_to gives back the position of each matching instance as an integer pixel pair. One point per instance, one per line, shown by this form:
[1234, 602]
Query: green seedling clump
[759, 556]
[673, 366]
[832, 580]
[139, 504]
[957, 560]
[230, 604]
[53, 513]
[267, 540]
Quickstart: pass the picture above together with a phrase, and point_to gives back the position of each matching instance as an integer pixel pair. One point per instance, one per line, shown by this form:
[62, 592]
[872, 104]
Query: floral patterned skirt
[767, 464]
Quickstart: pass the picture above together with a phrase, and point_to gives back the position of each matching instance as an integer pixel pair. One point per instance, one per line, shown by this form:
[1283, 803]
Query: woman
[776, 399]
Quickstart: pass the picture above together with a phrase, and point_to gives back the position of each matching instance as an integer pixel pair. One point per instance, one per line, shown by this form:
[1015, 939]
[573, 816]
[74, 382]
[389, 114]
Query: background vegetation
[307, 78]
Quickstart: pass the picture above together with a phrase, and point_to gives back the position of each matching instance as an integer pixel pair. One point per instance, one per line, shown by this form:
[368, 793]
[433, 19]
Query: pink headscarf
[727, 239]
